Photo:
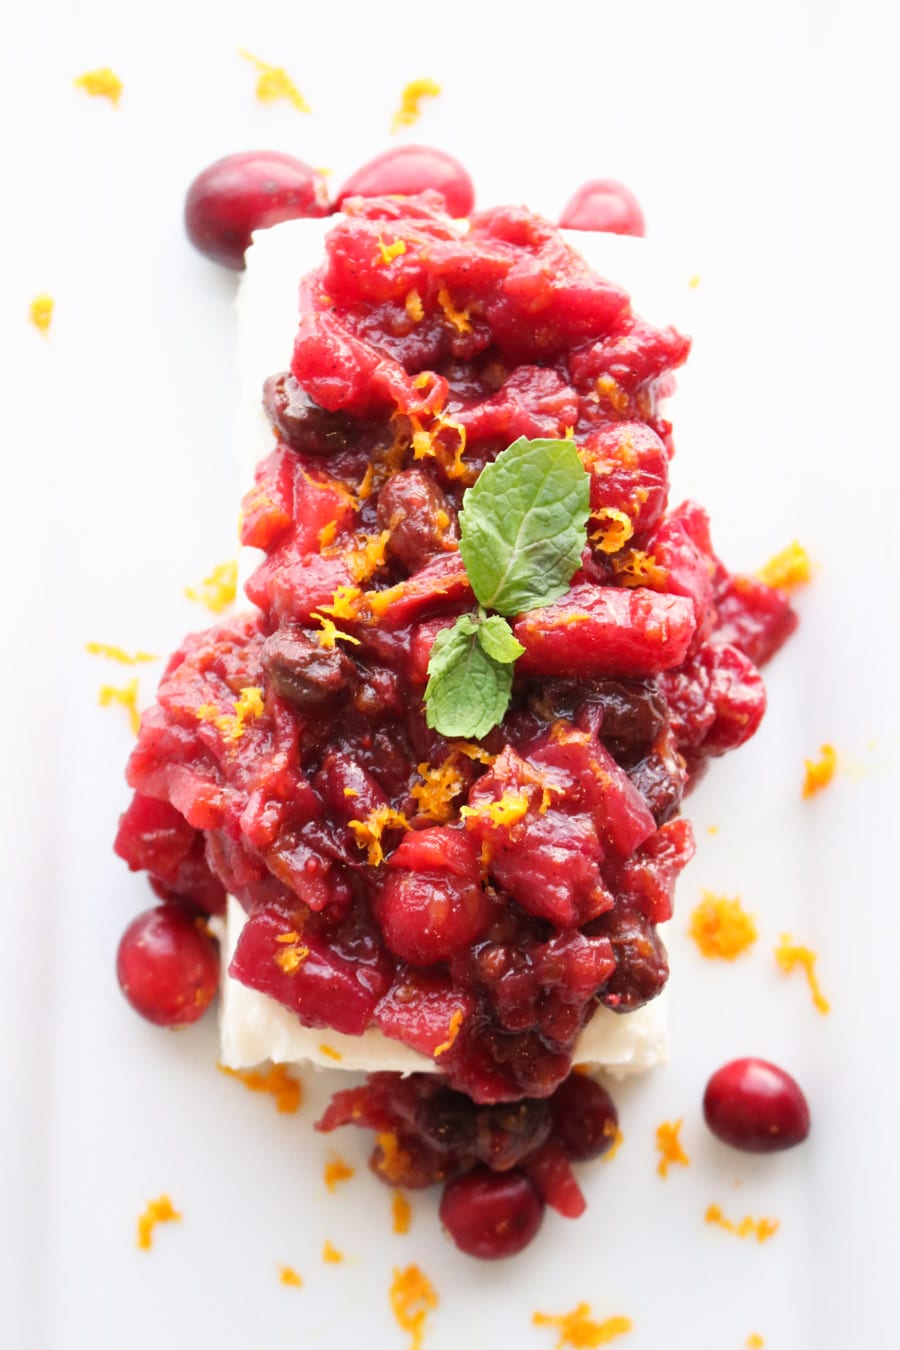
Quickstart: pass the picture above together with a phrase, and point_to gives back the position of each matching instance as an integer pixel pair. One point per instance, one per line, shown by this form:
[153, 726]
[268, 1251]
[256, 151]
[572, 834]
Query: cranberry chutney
[474, 900]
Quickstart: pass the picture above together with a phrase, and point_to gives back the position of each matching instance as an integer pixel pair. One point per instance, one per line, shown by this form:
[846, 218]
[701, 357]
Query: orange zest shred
[819, 772]
[344, 603]
[327, 534]
[388, 252]
[613, 393]
[410, 109]
[459, 318]
[160, 1210]
[761, 1229]
[638, 568]
[118, 654]
[290, 958]
[618, 1139]
[452, 1032]
[508, 809]
[721, 927]
[788, 955]
[578, 1329]
[614, 529]
[125, 695]
[330, 633]
[40, 311]
[330, 1052]
[440, 786]
[217, 591]
[473, 751]
[101, 83]
[369, 831]
[755, 1341]
[276, 1080]
[671, 1153]
[274, 83]
[414, 307]
[412, 1298]
[288, 1275]
[401, 1212]
[336, 1171]
[330, 1254]
[247, 707]
[391, 1161]
[366, 559]
[788, 569]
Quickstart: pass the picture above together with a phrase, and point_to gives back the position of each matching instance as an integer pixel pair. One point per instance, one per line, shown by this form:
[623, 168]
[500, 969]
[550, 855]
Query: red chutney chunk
[477, 902]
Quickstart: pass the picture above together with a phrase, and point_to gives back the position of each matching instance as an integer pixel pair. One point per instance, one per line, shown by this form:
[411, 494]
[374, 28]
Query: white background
[762, 143]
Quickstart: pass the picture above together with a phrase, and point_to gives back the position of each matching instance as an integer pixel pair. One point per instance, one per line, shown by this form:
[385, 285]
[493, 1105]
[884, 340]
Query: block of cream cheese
[254, 1027]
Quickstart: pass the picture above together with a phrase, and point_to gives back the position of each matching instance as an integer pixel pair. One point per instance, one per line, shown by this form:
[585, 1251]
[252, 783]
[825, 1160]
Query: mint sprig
[523, 528]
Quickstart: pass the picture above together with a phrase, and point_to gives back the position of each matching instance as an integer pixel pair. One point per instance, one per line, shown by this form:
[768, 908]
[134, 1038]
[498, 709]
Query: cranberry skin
[247, 192]
[603, 204]
[410, 169]
[167, 966]
[755, 1106]
[491, 1214]
[585, 1118]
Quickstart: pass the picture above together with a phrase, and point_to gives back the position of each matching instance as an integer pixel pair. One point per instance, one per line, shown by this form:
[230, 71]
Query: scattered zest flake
[452, 1033]
[819, 772]
[414, 307]
[274, 83]
[721, 928]
[117, 654]
[459, 318]
[248, 706]
[509, 808]
[410, 108]
[401, 1211]
[101, 83]
[331, 634]
[41, 311]
[369, 831]
[127, 696]
[637, 568]
[788, 569]
[388, 252]
[671, 1154]
[578, 1329]
[276, 1080]
[291, 957]
[761, 1229]
[755, 1341]
[614, 529]
[288, 1275]
[438, 790]
[618, 1139]
[788, 955]
[336, 1171]
[217, 591]
[331, 1053]
[160, 1210]
[412, 1298]
[331, 1256]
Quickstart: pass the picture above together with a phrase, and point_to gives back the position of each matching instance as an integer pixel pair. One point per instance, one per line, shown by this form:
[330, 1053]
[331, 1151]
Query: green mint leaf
[496, 638]
[523, 525]
[467, 691]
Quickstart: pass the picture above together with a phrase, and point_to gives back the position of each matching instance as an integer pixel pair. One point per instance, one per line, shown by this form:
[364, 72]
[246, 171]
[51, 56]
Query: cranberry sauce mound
[475, 901]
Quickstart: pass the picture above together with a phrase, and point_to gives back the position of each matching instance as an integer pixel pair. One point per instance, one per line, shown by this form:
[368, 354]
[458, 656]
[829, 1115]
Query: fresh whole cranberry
[168, 966]
[755, 1106]
[410, 169]
[491, 1214]
[603, 204]
[247, 192]
[585, 1118]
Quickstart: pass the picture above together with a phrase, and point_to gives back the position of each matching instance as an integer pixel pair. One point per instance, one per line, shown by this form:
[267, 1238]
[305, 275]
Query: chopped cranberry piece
[585, 1119]
[551, 1172]
[755, 1106]
[603, 204]
[168, 965]
[247, 192]
[424, 1011]
[411, 169]
[431, 912]
[490, 1214]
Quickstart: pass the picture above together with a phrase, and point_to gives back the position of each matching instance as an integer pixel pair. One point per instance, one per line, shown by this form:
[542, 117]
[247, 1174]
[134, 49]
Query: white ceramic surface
[761, 142]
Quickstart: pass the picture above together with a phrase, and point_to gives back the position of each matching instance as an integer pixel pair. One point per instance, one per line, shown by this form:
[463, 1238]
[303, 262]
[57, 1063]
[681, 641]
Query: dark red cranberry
[491, 1214]
[168, 966]
[755, 1106]
[410, 169]
[585, 1118]
[603, 204]
[247, 192]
